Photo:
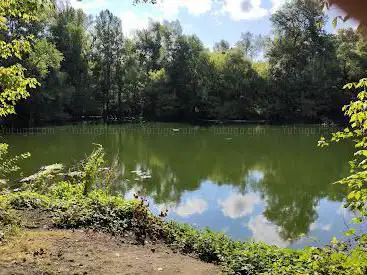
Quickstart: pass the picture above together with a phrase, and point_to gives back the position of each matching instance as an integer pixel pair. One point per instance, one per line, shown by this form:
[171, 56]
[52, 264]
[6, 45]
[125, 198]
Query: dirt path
[86, 252]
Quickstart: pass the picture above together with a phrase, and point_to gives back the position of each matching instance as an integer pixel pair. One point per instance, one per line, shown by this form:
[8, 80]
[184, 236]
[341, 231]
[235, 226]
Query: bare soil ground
[41, 251]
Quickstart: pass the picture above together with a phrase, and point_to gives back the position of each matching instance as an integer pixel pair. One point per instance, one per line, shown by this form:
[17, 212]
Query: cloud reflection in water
[238, 205]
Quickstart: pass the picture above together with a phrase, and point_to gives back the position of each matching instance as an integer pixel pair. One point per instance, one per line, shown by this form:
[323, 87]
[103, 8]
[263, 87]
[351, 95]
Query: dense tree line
[88, 68]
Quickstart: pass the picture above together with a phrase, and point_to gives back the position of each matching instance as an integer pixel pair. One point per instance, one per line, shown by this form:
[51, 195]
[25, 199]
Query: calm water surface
[268, 183]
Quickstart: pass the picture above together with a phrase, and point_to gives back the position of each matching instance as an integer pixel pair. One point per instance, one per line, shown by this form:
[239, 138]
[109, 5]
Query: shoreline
[67, 208]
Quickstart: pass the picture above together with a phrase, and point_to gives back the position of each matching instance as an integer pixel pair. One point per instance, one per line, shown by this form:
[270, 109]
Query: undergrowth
[70, 208]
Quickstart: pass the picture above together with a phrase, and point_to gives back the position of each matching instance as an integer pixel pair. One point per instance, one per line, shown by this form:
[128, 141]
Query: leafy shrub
[8, 219]
[45, 178]
[28, 200]
[93, 171]
[9, 165]
[67, 191]
[356, 182]
[91, 168]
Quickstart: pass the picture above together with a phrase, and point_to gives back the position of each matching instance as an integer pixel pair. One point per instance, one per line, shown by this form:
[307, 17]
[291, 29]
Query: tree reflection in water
[277, 172]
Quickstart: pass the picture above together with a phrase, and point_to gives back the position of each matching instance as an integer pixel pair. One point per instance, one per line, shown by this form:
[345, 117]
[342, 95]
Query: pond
[267, 183]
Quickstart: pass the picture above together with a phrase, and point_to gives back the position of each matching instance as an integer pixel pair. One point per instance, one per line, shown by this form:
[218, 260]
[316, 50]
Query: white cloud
[249, 9]
[326, 227]
[264, 231]
[244, 9]
[168, 9]
[131, 22]
[277, 4]
[170, 206]
[237, 205]
[171, 8]
[88, 6]
[191, 207]
[323, 227]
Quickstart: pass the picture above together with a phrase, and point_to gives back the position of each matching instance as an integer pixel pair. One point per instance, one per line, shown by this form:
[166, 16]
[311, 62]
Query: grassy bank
[68, 207]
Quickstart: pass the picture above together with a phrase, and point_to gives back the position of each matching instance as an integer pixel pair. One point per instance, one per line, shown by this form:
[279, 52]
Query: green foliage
[28, 200]
[258, 258]
[262, 68]
[302, 57]
[67, 191]
[91, 174]
[44, 56]
[71, 85]
[72, 209]
[222, 46]
[232, 88]
[356, 131]
[251, 45]
[351, 51]
[45, 178]
[9, 165]
[91, 168]
[95, 211]
[108, 42]
[8, 220]
[163, 74]
[14, 84]
[159, 75]
[26, 55]
[14, 87]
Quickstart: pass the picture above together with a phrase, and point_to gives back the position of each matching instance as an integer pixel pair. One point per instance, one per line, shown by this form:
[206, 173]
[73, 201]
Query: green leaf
[335, 22]
[350, 232]
[357, 220]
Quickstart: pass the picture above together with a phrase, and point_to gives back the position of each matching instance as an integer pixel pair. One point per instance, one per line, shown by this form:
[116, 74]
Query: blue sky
[211, 20]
